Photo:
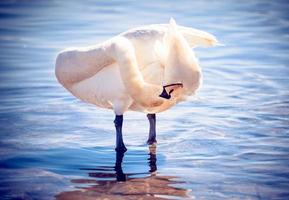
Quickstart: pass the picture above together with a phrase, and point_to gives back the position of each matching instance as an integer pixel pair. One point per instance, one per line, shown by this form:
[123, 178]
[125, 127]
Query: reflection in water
[118, 185]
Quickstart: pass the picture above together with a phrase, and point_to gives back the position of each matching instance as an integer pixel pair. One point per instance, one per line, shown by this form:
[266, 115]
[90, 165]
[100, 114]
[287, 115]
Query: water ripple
[229, 142]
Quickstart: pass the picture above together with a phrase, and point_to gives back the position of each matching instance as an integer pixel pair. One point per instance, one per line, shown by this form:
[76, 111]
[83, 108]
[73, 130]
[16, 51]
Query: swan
[147, 69]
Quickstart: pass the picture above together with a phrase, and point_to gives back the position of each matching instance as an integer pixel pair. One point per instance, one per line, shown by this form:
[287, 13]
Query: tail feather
[197, 37]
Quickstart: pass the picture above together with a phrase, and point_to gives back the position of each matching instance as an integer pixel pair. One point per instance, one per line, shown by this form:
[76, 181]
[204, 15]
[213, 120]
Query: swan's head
[178, 59]
[169, 89]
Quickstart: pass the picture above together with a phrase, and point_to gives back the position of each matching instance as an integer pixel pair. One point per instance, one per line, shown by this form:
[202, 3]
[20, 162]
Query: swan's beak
[168, 89]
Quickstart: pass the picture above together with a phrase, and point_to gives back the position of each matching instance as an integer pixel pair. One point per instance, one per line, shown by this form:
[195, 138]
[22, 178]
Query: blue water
[229, 142]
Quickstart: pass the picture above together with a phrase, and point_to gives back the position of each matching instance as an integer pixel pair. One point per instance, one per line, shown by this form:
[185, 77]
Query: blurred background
[229, 142]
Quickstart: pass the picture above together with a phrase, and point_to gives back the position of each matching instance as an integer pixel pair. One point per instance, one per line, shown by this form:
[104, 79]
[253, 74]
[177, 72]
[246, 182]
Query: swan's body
[128, 71]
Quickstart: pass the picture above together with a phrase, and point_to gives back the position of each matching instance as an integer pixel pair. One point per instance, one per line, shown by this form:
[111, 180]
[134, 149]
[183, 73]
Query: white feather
[127, 72]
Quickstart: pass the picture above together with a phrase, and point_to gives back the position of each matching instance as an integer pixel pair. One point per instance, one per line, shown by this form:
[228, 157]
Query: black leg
[152, 132]
[120, 147]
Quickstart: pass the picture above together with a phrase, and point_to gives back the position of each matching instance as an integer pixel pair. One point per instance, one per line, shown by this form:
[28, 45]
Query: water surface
[229, 142]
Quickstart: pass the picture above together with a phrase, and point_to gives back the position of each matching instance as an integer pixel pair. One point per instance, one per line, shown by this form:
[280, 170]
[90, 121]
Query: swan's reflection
[120, 176]
[105, 186]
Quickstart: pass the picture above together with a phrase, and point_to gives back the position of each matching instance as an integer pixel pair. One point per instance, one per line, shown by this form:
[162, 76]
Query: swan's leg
[120, 176]
[120, 147]
[152, 132]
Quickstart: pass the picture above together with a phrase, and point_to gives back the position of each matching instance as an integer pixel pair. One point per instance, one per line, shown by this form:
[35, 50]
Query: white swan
[147, 69]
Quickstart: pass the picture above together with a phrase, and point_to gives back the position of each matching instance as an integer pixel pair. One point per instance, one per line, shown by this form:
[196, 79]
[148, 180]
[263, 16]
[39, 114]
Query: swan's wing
[77, 64]
[145, 33]
[194, 37]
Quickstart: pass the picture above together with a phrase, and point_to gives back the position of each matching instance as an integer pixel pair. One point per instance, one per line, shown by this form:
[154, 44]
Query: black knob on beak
[167, 95]
[164, 94]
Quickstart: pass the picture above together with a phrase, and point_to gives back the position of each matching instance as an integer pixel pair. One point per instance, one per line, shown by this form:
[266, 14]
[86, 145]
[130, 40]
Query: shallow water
[230, 142]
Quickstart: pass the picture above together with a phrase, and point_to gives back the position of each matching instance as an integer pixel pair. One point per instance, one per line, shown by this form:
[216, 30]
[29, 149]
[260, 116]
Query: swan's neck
[181, 65]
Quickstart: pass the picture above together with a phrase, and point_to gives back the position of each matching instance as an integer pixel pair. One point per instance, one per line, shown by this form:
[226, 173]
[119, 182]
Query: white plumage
[128, 72]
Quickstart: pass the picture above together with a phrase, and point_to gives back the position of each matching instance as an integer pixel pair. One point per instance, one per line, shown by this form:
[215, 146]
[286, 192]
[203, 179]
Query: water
[230, 142]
